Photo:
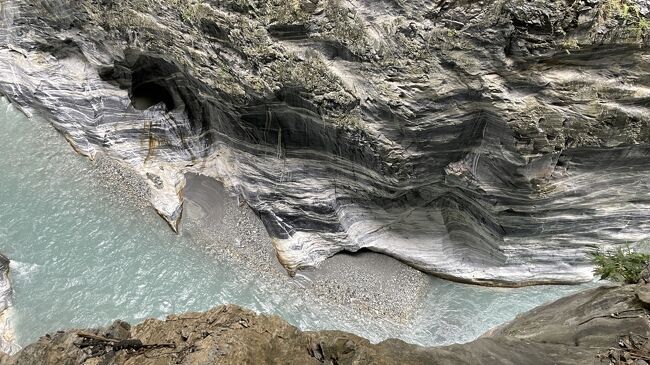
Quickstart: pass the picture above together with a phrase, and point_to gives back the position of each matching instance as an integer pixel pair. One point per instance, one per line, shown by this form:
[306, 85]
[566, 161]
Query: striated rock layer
[7, 340]
[491, 142]
[574, 330]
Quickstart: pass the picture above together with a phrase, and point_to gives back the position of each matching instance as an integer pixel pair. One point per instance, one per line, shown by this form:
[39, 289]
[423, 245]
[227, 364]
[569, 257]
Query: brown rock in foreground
[573, 330]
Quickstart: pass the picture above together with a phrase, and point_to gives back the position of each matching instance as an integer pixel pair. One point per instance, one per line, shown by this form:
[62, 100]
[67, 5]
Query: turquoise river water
[81, 257]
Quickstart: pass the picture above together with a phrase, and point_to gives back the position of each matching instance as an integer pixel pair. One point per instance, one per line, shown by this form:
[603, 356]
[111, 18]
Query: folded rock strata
[7, 340]
[578, 329]
[492, 142]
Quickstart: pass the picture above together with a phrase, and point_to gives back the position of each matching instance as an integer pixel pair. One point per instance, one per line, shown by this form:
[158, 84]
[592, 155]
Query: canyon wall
[7, 340]
[492, 142]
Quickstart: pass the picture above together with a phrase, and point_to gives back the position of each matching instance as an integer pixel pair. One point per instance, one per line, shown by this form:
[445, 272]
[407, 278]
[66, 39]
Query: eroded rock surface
[574, 330]
[489, 141]
[7, 340]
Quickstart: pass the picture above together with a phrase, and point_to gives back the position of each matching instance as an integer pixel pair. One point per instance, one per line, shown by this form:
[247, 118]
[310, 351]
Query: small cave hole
[149, 94]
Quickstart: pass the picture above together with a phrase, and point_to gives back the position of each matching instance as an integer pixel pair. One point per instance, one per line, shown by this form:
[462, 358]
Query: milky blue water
[83, 257]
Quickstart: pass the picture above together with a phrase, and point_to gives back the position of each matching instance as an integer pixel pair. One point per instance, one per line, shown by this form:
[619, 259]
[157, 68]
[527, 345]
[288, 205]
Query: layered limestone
[492, 142]
[581, 329]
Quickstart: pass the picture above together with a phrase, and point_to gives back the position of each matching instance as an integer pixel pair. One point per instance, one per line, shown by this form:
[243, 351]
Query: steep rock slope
[491, 142]
[575, 330]
[7, 341]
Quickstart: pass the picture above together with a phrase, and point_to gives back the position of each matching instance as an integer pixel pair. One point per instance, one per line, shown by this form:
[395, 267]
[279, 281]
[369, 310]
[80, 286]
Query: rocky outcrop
[492, 142]
[579, 329]
[7, 340]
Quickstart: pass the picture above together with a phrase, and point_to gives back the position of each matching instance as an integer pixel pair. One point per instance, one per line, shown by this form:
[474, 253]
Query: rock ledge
[579, 329]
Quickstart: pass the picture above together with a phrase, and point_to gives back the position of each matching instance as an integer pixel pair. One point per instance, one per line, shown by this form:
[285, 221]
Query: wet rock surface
[493, 142]
[574, 330]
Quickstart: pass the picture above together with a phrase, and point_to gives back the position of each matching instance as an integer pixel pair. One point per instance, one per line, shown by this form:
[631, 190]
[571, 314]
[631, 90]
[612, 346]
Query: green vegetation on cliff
[622, 265]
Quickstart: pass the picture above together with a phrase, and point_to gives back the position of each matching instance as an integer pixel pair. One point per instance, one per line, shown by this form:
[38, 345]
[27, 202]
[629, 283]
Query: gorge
[328, 161]
[466, 139]
[83, 254]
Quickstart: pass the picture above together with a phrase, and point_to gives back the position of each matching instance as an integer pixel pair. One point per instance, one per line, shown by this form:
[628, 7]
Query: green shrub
[622, 265]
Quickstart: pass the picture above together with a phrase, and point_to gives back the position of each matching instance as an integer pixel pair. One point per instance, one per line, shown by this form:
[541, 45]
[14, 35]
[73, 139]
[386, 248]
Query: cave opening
[146, 95]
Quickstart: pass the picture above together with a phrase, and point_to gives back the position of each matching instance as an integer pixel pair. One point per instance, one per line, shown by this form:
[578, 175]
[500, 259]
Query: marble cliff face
[491, 142]
[7, 340]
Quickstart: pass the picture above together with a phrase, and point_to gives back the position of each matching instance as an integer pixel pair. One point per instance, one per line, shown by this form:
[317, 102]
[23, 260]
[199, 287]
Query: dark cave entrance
[149, 94]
